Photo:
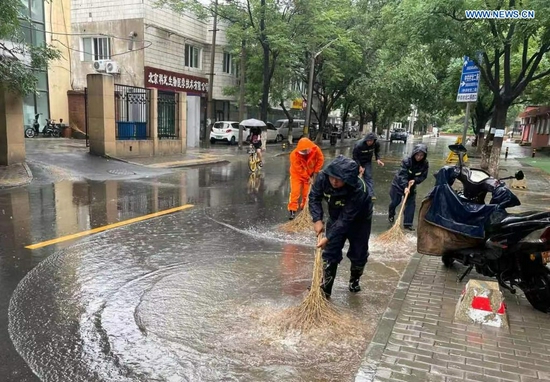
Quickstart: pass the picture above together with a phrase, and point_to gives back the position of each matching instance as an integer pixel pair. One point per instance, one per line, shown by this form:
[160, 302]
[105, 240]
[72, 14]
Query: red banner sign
[172, 81]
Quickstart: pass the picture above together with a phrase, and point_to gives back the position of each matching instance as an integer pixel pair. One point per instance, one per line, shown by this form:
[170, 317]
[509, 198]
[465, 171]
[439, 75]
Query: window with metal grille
[192, 56]
[96, 48]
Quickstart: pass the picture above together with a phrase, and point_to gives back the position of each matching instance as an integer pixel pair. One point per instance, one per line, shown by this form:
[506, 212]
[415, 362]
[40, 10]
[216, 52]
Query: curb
[24, 183]
[29, 172]
[384, 329]
[170, 165]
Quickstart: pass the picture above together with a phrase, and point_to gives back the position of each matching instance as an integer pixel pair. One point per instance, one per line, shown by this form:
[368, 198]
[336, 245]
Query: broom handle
[404, 202]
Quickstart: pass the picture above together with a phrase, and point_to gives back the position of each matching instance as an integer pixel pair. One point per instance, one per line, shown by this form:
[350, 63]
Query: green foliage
[19, 60]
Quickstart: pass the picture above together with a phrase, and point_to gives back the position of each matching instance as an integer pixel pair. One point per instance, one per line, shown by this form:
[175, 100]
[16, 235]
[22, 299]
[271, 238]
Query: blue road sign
[469, 82]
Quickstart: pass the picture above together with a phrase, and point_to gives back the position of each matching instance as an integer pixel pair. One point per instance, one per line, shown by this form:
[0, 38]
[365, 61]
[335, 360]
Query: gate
[86, 116]
[167, 117]
[131, 112]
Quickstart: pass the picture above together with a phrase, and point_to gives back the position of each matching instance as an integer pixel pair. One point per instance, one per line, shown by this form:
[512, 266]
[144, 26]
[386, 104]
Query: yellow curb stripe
[107, 227]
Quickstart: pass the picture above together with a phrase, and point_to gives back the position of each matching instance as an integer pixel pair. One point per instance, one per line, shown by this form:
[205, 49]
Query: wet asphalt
[185, 296]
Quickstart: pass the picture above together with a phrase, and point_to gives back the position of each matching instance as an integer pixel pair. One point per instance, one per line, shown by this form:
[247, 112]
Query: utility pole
[241, 96]
[210, 112]
[309, 95]
[466, 123]
[310, 86]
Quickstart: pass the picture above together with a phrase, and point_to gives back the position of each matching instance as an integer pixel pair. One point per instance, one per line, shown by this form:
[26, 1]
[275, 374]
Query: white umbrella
[253, 122]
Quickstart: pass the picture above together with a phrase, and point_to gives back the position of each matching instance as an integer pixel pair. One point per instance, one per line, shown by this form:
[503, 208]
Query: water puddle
[167, 301]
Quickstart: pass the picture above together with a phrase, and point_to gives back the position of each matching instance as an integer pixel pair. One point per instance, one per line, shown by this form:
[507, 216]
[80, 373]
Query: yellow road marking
[107, 227]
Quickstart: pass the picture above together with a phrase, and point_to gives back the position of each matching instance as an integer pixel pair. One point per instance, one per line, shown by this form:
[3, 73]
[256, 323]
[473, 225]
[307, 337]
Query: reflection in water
[294, 278]
[163, 301]
[180, 297]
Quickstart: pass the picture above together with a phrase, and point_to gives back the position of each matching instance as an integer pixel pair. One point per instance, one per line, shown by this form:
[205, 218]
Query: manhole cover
[121, 172]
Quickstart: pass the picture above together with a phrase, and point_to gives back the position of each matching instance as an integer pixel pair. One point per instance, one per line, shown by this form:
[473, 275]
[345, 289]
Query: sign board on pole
[469, 82]
[298, 104]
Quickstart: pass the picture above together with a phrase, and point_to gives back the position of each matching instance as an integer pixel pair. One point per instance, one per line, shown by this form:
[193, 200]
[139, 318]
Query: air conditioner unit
[100, 65]
[112, 67]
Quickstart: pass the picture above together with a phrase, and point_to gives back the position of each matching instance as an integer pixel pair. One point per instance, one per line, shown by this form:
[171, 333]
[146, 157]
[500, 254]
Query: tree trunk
[266, 67]
[265, 86]
[347, 106]
[290, 122]
[361, 121]
[374, 116]
[322, 122]
[499, 116]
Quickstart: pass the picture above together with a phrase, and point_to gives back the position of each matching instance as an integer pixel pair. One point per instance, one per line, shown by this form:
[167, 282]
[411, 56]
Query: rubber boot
[355, 275]
[329, 274]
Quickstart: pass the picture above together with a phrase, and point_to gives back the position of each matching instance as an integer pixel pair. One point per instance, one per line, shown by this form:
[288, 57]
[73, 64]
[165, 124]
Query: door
[193, 120]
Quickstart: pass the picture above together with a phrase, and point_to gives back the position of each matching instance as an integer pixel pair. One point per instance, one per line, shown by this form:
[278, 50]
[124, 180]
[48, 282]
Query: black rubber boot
[329, 274]
[291, 215]
[355, 275]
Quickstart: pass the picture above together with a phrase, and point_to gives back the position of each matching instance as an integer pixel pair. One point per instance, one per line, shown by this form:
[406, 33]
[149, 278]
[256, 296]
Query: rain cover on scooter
[453, 213]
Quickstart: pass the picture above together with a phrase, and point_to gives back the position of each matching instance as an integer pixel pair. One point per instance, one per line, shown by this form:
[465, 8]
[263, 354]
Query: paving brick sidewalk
[418, 340]
[15, 175]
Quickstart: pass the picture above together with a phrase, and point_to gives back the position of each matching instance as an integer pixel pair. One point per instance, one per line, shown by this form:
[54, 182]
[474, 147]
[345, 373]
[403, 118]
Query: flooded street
[187, 296]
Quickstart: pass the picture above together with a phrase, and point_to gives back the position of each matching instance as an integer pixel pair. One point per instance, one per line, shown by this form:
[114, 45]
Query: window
[192, 56]
[96, 48]
[228, 63]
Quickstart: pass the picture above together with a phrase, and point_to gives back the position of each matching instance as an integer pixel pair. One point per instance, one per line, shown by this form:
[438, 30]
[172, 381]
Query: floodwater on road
[189, 296]
[184, 298]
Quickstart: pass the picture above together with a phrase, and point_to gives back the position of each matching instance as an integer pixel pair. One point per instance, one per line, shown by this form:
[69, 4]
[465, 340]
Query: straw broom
[315, 311]
[395, 234]
[302, 222]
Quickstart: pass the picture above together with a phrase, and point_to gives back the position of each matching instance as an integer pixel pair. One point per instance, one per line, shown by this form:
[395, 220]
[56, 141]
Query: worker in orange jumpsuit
[306, 160]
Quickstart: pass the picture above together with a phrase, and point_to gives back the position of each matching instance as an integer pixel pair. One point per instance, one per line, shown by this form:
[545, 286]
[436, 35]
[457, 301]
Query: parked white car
[271, 132]
[282, 127]
[226, 131]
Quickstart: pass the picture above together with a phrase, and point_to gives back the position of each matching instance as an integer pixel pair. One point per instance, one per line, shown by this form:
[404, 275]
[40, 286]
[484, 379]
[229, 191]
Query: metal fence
[131, 112]
[167, 103]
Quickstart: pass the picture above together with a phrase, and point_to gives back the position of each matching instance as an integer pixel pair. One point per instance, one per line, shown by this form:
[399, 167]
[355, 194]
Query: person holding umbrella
[255, 135]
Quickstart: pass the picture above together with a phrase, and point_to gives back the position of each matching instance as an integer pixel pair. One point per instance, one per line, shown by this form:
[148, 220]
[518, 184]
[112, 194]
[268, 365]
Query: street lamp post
[210, 103]
[310, 86]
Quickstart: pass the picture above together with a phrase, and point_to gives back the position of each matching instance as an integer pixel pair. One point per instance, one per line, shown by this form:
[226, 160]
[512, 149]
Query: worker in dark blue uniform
[350, 218]
[413, 171]
[363, 152]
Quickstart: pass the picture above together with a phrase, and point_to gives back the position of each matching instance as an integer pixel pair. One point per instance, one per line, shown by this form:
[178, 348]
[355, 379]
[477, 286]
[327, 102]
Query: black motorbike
[515, 248]
[51, 129]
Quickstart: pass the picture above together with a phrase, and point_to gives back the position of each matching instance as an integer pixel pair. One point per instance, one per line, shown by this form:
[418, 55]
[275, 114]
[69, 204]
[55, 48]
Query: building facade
[535, 125]
[34, 32]
[57, 15]
[145, 46]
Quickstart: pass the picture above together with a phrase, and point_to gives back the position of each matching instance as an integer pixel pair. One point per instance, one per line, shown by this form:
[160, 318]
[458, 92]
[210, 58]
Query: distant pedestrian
[363, 152]
[413, 171]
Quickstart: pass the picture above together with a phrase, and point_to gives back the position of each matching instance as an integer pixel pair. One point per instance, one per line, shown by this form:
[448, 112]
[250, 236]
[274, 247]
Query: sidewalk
[418, 340]
[16, 175]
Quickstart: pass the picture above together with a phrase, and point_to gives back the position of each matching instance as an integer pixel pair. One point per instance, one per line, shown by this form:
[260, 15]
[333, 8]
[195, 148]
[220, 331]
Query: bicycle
[253, 160]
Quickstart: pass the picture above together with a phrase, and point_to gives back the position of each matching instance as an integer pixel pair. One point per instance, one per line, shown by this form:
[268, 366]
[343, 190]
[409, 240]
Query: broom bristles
[395, 234]
[315, 311]
[301, 223]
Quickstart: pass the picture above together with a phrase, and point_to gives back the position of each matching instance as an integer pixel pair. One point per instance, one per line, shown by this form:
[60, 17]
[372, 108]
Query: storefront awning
[535, 111]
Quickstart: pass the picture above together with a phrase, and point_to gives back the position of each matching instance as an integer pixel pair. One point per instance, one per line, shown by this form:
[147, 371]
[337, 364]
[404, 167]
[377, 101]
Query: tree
[267, 26]
[493, 44]
[18, 59]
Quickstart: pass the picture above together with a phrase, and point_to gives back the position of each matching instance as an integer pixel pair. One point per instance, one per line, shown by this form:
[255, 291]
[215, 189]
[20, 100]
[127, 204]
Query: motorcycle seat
[524, 216]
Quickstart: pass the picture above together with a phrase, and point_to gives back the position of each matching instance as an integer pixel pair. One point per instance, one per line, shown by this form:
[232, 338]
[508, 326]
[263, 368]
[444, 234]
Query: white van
[282, 129]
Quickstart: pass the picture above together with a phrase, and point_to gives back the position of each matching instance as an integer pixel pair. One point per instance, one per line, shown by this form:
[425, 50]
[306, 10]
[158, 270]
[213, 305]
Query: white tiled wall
[165, 33]
[103, 10]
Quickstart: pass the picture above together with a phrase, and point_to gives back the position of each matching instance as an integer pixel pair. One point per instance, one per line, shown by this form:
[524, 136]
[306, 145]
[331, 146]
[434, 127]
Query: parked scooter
[515, 248]
[51, 129]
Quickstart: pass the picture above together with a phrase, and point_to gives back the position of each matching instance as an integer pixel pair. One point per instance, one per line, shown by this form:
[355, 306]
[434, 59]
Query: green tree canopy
[18, 59]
